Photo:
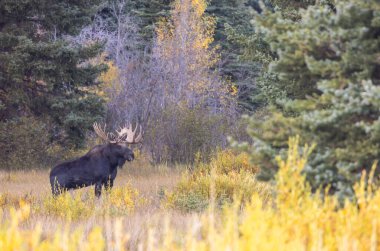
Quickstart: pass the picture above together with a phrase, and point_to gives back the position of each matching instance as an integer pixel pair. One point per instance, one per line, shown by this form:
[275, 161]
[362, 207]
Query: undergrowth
[232, 176]
[115, 202]
[81, 204]
[296, 219]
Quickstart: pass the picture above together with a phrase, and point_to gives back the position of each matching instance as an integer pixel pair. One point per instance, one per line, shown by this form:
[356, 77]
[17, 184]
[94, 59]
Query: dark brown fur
[98, 167]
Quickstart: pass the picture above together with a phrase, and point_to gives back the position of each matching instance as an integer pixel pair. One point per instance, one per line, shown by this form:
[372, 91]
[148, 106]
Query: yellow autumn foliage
[232, 176]
[110, 78]
[185, 40]
[83, 204]
[13, 237]
[296, 219]
[198, 26]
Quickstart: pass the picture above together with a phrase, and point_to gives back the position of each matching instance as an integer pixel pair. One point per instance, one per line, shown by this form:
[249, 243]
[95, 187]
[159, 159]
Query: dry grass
[294, 219]
[149, 181]
[152, 183]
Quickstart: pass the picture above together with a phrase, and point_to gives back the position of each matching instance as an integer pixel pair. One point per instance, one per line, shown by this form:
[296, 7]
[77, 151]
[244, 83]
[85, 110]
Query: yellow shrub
[231, 174]
[193, 194]
[121, 200]
[227, 161]
[14, 237]
[2, 200]
[8, 200]
[298, 220]
[117, 201]
[68, 206]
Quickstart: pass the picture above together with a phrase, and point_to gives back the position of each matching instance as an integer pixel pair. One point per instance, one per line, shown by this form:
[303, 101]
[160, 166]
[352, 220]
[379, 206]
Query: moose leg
[109, 184]
[98, 189]
[56, 189]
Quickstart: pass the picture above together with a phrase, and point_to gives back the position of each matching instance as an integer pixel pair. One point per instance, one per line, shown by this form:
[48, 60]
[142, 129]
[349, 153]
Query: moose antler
[101, 132]
[124, 135]
[128, 135]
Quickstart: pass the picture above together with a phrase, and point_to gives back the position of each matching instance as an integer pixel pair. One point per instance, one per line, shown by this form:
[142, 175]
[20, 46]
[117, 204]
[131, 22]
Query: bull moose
[99, 166]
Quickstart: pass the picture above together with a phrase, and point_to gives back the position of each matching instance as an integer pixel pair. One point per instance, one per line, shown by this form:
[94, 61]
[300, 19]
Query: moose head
[118, 144]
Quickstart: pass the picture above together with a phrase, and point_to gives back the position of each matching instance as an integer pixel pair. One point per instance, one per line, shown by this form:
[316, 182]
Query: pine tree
[43, 75]
[330, 58]
[233, 20]
[150, 12]
[146, 13]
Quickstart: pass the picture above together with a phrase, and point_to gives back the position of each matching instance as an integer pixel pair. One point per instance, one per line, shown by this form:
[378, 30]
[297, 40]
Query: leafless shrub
[174, 89]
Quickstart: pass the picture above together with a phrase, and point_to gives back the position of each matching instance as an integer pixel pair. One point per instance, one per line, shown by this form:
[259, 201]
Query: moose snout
[130, 157]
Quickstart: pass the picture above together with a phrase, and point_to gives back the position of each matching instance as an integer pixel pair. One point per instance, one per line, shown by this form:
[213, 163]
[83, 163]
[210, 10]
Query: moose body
[98, 167]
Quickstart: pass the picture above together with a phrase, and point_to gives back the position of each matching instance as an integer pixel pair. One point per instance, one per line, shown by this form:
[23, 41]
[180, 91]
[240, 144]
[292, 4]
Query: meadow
[137, 189]
[142, 213]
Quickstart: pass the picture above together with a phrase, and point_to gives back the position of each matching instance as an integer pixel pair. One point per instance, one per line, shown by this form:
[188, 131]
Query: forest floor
[150, 182]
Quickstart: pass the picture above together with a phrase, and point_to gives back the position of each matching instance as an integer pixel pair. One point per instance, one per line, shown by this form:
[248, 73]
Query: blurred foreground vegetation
[187, 71]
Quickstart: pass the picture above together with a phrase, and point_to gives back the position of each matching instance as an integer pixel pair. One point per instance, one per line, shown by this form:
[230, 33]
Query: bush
[118, 201]
[180, 133]
[228, 161]
[67, 206]
[193, 194]
[231, 175]
[300, 220]
[24, 143]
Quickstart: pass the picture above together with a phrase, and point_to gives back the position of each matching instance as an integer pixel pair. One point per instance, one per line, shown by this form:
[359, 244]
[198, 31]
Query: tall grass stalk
[296, 219]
